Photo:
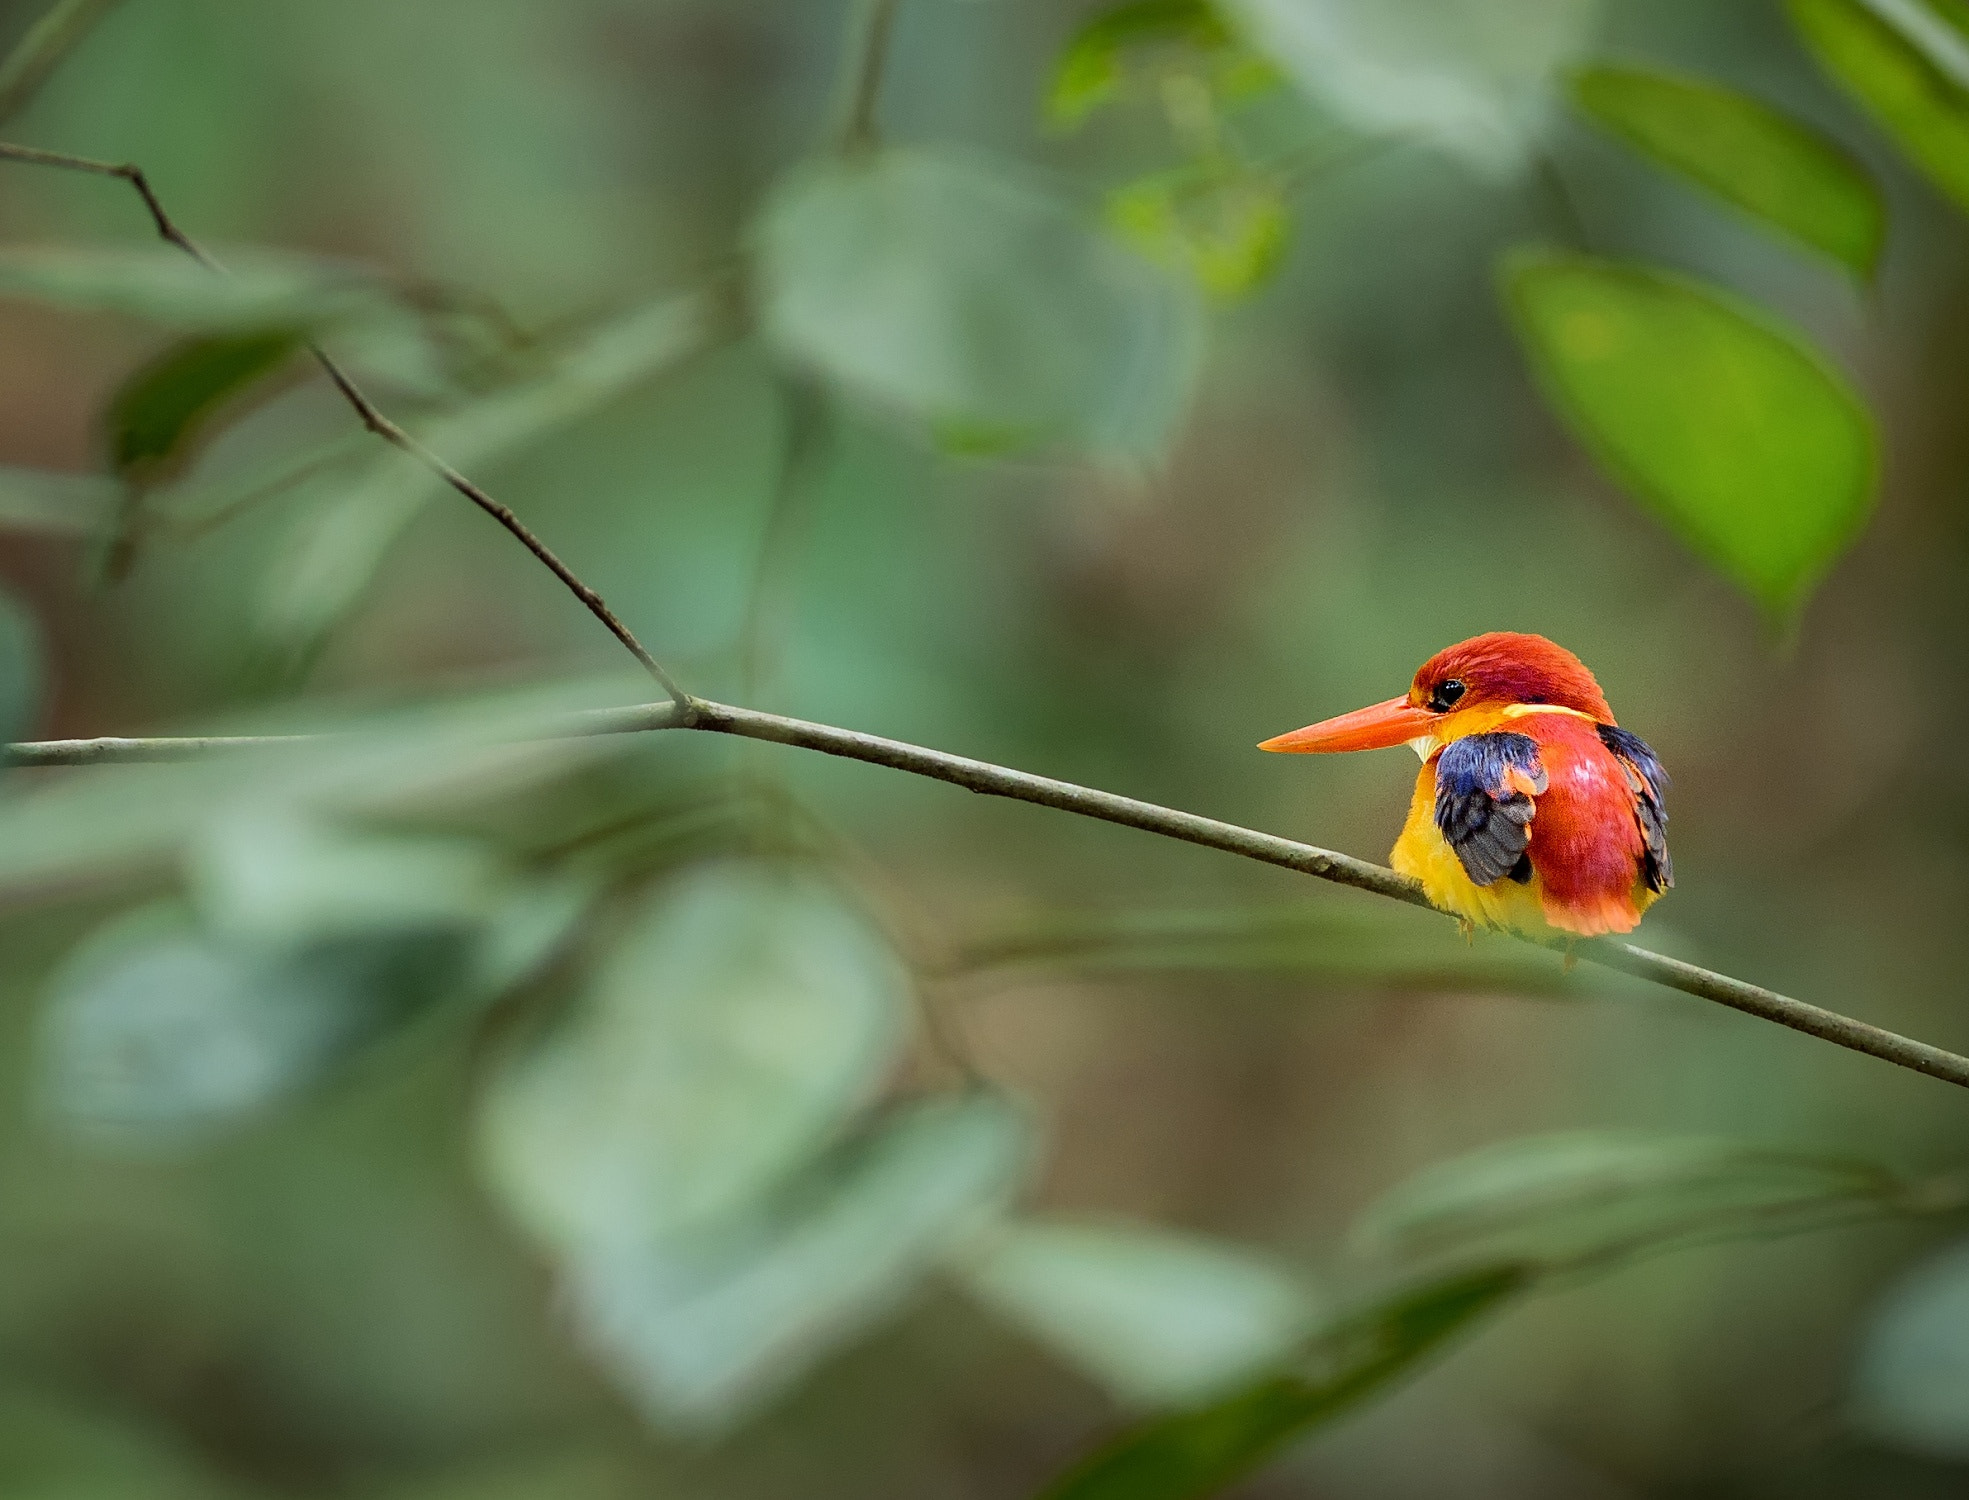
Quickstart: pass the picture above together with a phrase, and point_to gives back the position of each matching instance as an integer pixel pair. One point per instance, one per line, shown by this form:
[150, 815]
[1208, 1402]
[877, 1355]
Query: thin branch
[371, 416]
[1002, 781]
[41, 50]
[875, 27]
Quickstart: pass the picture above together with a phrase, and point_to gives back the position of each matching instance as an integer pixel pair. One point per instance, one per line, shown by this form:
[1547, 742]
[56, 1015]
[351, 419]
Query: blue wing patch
[1650, 783]
[1486, 820]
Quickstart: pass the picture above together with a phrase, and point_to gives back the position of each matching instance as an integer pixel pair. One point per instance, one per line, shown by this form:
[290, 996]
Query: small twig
[41, 50]
[875, 25]
[1088, 802]
[372, 417]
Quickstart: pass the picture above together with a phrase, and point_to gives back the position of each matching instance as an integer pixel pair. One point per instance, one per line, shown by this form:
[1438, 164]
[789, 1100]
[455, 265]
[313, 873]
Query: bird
[1534, 811]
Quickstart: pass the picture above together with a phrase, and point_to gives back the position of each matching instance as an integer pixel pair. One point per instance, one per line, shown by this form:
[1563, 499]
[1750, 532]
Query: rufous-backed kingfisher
[1534, 810]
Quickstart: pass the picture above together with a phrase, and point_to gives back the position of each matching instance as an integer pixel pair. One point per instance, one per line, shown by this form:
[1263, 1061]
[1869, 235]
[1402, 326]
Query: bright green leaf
[745, 1014]
[158, 415]
[1161, 1319]
[1468, 75]
[1911, 1387]
[157, 1032]
[1776, 168]
[1563, 1201]
[1093, 66]
[975, 299]
[1907, 62]
[1224, 225]
[20, 670]
[1196, 1453]
[704, 1327]
[1745, 441]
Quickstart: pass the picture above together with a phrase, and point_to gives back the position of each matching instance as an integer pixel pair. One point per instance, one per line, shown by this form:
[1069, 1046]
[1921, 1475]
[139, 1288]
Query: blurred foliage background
[1093, 391]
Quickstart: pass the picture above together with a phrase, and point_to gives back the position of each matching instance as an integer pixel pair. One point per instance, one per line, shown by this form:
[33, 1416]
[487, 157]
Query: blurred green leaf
[158, 1032]
[1778, 169]
[1224, 224]
[441, 754]
[159, 414]
[56, 504]
[1159, 1318]
[1735, 432]
[1907, 62]
[746, 1012]
[21, 680]
[528, 1475]
[53, 1451]
[1191, 1454]
[1399, 949]
[972, 297]
[1468, 75]
[706, 1326]
[360, 510]
[1559, 1202]
[1911, 1386]
[262, 288]
[1094, 64]
[271, 876]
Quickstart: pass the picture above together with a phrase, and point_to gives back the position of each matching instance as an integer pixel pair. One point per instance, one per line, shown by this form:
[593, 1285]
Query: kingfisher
[1534, 812]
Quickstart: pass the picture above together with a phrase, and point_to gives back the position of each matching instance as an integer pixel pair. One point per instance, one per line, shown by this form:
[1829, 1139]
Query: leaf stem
[874, 28]
[1089, 802]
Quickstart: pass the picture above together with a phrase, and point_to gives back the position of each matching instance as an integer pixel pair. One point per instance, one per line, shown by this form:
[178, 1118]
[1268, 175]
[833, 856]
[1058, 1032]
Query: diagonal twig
[371, 416]
[1089, 802]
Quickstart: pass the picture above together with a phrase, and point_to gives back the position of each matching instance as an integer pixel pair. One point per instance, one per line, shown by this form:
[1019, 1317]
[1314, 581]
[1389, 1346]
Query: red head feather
[1508, 667]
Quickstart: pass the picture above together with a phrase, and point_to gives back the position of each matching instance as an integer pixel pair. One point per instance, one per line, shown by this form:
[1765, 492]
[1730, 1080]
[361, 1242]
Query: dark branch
[1001, 781]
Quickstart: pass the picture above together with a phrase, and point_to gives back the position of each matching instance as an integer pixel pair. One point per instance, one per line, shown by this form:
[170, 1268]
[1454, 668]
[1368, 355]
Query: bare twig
[1088, 802]
[371, 416]
[41, 50]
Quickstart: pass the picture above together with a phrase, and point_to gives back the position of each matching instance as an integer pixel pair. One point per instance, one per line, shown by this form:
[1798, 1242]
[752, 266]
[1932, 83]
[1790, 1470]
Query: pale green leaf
[970, 296]
[1742, 438]
[261, 288]
[272, 876]
[1778, 169]
[1467, 75]
[1159, 1318]
[157, 1032]
[1191, 1454]
[746, 1013]
[705, 1327]
[1564, 1201]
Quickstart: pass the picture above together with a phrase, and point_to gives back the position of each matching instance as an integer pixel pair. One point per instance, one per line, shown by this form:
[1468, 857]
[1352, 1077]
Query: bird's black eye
[1445, 694]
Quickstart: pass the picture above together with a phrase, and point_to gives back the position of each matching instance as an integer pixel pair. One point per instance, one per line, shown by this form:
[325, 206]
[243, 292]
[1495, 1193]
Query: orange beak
[1379, 727]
